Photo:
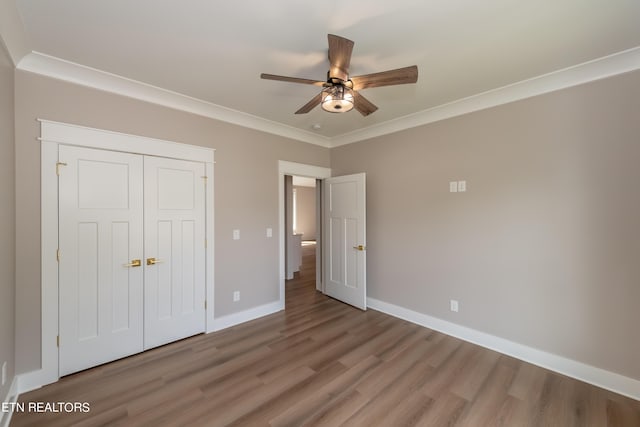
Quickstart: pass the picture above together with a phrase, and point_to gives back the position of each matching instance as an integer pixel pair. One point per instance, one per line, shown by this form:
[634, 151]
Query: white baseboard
[12, 398]
[590, 374]
[33, 380]
[246, 315]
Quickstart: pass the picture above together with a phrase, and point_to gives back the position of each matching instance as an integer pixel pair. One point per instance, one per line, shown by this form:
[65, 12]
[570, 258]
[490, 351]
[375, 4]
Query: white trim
[13, 35]
[210, 250]
[611, 65]
[600, 68]
[53, 134]
[33, 380]
[319, 233]
[11, 398]
[233, 319]
[48, 371]
[61, 69]
[299, 169]
[590, 374]
[82, 136]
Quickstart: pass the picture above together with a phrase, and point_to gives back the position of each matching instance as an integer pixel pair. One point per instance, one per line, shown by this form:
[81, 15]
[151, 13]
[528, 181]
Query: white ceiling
[214, 51]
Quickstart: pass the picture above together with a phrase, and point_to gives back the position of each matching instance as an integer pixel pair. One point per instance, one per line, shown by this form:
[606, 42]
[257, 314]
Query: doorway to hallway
[302, 230]
[301, 290]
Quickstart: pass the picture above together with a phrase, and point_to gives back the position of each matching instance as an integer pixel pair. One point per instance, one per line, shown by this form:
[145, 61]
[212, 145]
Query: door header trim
[70, 134]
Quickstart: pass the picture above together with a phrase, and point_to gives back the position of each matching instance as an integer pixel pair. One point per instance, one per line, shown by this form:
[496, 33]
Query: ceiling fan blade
[315, 101]
[291, 79]
[386, 78]
[362, 104]
[339, 56]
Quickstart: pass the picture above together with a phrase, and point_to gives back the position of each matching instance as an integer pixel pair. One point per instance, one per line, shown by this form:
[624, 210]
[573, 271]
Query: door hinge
[205, 304]
[58, 340]
[58, 255]
[58, 164]
[205, 243]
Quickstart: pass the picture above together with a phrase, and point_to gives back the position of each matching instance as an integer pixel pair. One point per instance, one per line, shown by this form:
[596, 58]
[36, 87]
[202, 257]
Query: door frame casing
[298, 169]
[52, 135]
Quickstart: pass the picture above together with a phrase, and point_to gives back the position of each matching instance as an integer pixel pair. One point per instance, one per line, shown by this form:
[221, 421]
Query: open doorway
[286, 170]
[302, 234]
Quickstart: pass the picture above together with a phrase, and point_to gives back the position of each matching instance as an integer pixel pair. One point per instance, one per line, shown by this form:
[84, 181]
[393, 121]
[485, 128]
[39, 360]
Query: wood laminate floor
[323, 363]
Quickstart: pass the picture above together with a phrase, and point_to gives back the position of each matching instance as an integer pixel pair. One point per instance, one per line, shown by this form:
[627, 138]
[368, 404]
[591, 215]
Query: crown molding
[607, 66]
[50, 66]
[611, 65]
[12, 34]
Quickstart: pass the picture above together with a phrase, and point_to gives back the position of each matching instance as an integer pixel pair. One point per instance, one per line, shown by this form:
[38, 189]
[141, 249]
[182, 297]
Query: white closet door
[174, 250]
[101, 233]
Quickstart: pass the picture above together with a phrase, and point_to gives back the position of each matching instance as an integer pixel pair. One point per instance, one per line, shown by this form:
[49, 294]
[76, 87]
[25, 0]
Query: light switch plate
[269, 232]
[453, 187]
[236, 234]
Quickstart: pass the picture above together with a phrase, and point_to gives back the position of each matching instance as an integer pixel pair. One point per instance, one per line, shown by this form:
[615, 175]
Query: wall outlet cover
[454, 305]
[462, 186]
[236, 234]
[269, 232]
[236, 296]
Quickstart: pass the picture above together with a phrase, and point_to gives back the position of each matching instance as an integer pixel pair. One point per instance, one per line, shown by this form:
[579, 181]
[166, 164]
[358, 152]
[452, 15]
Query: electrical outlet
[462, 186]
[236, 296]
[236, 234]
[4, 373]
[454, 305]
[269, 232]
[453, 187]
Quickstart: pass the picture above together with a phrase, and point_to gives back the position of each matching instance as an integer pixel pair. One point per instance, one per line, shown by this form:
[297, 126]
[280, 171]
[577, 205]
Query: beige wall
[544, 247]
[246, 191]
[7, 220]
[306, 212]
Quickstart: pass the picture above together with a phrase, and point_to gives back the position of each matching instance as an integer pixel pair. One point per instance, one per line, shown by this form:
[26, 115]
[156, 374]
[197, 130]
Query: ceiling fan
[340, 92]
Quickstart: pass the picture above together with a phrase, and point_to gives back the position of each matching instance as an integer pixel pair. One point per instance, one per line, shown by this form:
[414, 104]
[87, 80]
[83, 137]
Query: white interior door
[101, 234]
[344, 228]
[174, 250]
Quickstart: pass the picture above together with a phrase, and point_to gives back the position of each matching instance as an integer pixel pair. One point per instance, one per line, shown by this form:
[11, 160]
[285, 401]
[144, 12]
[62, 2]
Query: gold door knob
[359, 248]
[153, 261]
[134, 263]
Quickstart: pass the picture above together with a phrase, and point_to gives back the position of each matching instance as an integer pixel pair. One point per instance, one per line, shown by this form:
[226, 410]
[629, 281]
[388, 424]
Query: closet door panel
[101, 233]
[174, 250]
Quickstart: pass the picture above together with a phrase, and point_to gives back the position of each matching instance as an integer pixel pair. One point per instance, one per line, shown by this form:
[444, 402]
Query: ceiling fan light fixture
[337, 99]
[341, 93]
